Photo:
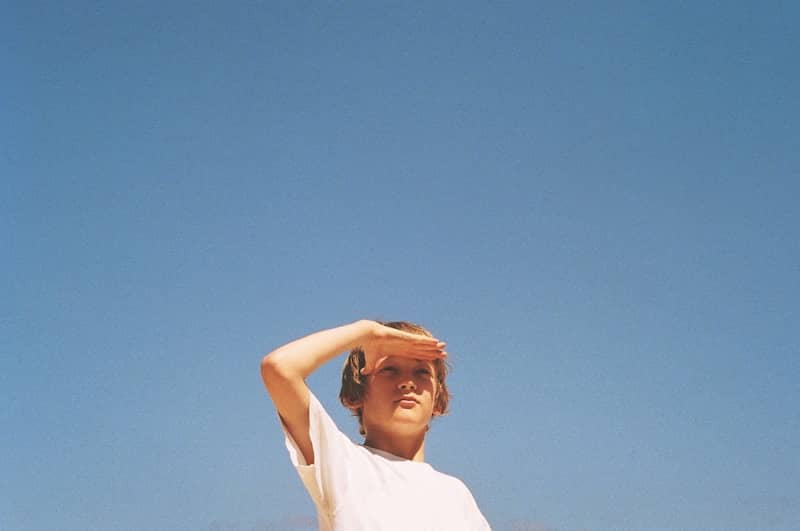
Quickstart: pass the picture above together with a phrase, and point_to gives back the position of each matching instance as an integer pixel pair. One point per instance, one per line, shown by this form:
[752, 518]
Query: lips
[407, 401]
[407, 397]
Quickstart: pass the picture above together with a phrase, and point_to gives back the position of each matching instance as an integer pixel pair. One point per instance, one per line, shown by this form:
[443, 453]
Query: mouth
[407, 401]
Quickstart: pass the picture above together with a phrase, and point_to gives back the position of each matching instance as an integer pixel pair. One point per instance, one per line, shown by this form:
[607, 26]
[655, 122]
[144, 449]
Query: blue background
[594, 204]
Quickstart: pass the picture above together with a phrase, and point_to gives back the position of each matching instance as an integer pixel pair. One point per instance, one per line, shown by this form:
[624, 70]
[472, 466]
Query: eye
[425, 372]
[389, 369]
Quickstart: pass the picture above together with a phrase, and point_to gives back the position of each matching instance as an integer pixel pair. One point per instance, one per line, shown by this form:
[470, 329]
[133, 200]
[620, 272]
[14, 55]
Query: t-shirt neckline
[392, 457]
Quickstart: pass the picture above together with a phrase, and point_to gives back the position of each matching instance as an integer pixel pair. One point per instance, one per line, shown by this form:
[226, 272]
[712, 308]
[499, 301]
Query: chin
[409, 431]
[408, 424]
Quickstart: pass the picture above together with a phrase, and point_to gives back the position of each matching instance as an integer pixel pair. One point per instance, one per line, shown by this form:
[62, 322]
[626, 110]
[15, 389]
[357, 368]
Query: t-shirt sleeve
[477, 522]
[326, 479]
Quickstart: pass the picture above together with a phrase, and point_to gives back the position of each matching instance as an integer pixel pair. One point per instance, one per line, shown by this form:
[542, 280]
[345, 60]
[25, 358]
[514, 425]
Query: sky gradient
[594, 204]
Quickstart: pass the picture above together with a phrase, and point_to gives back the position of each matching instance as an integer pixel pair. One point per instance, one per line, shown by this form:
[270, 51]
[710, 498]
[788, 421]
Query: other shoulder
[452, 482]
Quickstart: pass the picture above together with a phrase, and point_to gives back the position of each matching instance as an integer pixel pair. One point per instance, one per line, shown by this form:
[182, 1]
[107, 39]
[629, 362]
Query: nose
[406, 385]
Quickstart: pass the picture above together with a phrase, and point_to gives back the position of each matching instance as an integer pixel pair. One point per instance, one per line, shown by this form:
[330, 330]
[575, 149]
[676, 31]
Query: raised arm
[285, 369]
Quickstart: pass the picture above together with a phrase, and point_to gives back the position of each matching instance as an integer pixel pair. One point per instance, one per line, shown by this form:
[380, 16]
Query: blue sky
[594, 204]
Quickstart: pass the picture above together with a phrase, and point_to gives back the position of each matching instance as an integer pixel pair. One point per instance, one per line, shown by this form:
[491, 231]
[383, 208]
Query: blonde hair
[354, 384]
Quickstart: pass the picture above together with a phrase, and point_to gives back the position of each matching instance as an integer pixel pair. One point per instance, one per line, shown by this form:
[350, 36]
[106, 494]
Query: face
[400, 396]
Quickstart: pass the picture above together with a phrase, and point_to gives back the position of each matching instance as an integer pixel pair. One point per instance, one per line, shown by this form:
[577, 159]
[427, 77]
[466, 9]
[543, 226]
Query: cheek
[377, 390]
[427, 384]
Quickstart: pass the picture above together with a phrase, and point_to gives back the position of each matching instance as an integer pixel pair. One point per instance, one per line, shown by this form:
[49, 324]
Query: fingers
[413, 338]
[404, 344]
[436, 349]
[431, 348]
[439, 354]
[424, 342]
[424, 354]
[428, 354]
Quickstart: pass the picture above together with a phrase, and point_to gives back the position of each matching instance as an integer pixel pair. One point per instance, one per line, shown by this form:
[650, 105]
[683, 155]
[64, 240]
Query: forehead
[400, 360]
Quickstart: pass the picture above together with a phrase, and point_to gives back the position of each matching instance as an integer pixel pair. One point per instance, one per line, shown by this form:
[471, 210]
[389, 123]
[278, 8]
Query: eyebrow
[418, 362]
[426, 364]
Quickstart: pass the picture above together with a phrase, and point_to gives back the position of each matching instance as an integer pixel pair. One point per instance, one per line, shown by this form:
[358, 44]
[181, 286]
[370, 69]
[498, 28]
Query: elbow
[273, 368]
[269, 367]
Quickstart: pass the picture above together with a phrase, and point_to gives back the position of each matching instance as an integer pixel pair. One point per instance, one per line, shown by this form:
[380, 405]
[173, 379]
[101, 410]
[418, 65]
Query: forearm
[285, 369]
[300, 358]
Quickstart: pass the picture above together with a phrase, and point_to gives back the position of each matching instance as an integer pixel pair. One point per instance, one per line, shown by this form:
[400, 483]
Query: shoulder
[459, 491]
[459, 501]
[452, 483]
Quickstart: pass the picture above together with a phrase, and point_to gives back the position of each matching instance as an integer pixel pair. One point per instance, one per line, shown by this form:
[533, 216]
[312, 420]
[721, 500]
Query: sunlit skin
[392, 426]
[398, 405]
[394, 395]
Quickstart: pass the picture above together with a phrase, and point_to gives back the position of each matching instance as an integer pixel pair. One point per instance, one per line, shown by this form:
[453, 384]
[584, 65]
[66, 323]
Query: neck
[411, 448]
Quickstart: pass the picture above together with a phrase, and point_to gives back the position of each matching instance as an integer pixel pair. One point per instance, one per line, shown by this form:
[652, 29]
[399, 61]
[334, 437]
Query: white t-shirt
[357, 488]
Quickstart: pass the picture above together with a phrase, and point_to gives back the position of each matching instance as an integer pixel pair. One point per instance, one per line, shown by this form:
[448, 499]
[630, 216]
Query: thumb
[370, 364]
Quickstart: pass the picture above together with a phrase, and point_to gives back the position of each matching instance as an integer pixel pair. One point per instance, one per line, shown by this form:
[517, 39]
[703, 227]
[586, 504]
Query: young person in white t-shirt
[394, 382]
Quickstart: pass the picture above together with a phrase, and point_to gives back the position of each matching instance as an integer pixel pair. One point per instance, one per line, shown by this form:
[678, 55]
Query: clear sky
[595, 204]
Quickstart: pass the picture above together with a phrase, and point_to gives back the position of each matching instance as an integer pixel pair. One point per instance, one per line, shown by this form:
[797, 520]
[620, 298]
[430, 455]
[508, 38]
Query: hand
[385, 341]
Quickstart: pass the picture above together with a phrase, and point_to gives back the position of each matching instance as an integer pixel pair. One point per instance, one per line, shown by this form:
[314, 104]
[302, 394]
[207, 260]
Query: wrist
[366, 332]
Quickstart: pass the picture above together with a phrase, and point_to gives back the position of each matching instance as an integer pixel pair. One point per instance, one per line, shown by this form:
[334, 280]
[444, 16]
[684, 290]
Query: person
[394, 381]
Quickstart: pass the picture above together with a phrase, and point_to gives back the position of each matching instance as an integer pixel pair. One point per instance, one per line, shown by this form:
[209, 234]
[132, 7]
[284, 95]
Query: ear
[353, 405]
[437, 410]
